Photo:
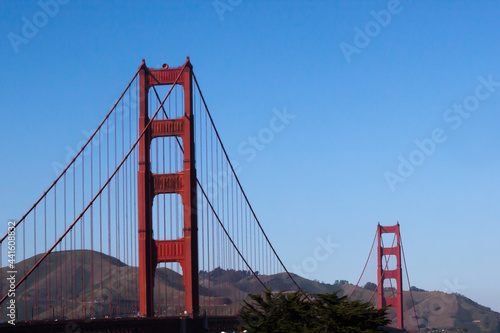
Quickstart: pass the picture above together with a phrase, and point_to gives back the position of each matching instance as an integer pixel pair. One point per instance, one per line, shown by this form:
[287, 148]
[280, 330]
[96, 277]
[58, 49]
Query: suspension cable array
[77, 246]
[243, 192]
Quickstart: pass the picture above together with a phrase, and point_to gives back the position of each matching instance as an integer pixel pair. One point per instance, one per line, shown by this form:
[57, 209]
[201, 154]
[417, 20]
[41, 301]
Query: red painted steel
[396, 274]
[145, 203]
[168, 183]
[230, 222]
[185, 249]
[168, 127]
[171, 251]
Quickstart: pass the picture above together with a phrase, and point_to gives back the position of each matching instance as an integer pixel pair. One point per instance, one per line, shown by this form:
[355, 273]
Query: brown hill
[438, 311]
[115, 293]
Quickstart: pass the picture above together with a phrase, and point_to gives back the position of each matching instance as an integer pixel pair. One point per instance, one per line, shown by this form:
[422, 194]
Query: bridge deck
[126, 325]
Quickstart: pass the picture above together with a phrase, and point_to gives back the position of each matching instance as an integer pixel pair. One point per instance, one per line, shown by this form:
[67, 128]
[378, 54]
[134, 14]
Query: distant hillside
[439, 311]
[115, 293]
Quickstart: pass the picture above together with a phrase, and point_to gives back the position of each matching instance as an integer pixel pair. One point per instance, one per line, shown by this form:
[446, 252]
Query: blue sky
[395, 116]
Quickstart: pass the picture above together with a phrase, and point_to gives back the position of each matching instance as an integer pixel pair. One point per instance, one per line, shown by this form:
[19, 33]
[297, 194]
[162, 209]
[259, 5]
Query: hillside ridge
[435, 310]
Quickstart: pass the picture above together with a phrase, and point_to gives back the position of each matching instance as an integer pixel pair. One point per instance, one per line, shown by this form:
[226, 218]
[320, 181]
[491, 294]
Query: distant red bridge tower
[183, 250]
[384, 273]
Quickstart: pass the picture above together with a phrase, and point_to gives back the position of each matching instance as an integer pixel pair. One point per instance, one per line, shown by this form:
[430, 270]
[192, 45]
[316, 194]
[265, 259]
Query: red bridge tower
[396, 274]
[183, 250]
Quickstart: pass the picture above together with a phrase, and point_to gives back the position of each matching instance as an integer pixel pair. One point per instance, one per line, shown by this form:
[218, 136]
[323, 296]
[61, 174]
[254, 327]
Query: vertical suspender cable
[100, 229]
[82, 237]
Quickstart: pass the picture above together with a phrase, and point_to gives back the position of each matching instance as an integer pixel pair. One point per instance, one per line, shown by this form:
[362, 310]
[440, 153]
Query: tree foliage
[370, 286]
[292, 312]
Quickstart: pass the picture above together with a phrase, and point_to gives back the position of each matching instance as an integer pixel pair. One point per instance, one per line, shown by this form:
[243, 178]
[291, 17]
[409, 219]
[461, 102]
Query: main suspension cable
[363, 272]
[98, 193]
[213, 209]
[409, 285]
[74, 158]
[383, 272]
[243, 192]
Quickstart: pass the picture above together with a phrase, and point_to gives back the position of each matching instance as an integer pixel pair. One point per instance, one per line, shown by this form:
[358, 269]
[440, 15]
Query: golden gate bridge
[147, 227]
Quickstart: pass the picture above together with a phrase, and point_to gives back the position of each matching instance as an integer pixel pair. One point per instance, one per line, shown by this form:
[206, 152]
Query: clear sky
[394, 111]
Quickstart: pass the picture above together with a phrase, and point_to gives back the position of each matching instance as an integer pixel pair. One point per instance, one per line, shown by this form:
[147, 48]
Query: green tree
[292, 312]
[370, 286]
[275, 313]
